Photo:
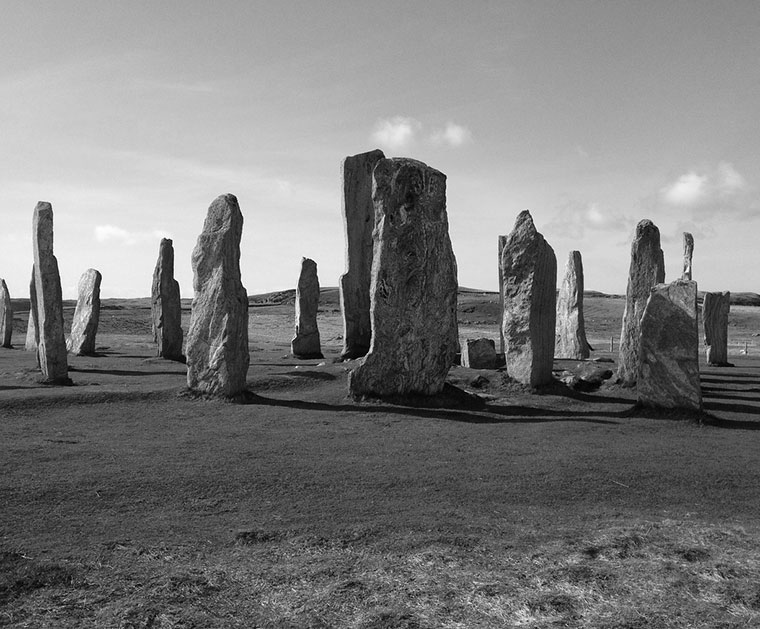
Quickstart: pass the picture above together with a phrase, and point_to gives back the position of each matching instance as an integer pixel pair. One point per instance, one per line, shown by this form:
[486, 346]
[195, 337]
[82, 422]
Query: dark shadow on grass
[728, 377]
[733, 408]
[316, 375]
[127, 372]
[731, 424]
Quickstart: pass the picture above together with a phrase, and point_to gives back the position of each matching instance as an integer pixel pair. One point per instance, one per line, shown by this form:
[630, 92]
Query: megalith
[570, 338]
[501, 243]
[358, 221]
[51, 349]
[32, 333]
[6, 315]
[479, 354]
[647, 269]
[217, 341]
[529, 276]
[305, 343]
[165, 305]
[84, 327]
[668, 370]
[715, 309]
[688, 253]
[413, 294]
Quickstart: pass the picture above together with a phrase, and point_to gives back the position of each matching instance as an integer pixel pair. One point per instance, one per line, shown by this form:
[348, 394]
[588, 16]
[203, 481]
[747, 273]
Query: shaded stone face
[358, 222]
[51, 349]
[305, 343]
[647, 269]
[715, 309]
[166, 306]
[688, 253]
[570, 341]
[217, 342]
[84, 327]
[529, 272]
[32, 335]
[414, 284]
[501, 242]
[6, 315]
[668, 375]
[479, 354]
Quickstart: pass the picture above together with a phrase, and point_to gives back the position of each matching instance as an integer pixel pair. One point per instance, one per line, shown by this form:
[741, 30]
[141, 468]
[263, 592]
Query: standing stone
[6, 315]
[647, 269]
[668, 373]
[502, 242]
[165, 305]
[571, 330]
[358, 222]
[32, 334]
[305, 343]
[479, 354]
[51, 350]
[217, 342]
[715, 308]
[688, 252]
[529, 272]
[414, 284]
[84, 327]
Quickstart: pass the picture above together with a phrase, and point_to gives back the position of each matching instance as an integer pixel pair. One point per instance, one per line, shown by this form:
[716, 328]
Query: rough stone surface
[305, 343]
[647, 269]
[165, 305]
[688, 253]
[414, 284]
[669, 349]
[715, 308]
[502, 242]
[358, 222]
[6, 316]
[529, 272]
[51, 349]
[84, 327]
[217, 342]
[479, 354]
[32, 335]
[570, 337]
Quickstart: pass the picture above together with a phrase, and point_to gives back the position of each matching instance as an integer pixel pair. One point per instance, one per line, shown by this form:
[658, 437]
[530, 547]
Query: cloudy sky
[131, 117]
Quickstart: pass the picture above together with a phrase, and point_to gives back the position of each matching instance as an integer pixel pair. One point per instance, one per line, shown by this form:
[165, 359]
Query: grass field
[127, 502]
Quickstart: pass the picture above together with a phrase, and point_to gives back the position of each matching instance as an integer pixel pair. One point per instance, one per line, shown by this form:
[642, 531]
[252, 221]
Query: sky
[131, 117]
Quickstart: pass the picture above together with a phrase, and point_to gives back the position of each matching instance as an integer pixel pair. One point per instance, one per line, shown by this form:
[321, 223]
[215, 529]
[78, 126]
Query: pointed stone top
[222, 213]
[166, 242]
[3, 285]
[524, 226]
[646, 227]
[688, 238]
[43, 206]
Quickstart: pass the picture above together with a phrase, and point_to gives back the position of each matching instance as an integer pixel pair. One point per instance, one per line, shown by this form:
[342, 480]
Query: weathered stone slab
[51, 350]
[715, 309]
[501, 243]
[479, 354]
[84, 327]
[647, 269]
[529, 272]
[414, 284]
[688, 253]
[668, 375]
[570, 338]
[32, 334]
[305, 343]
[217, 342]
[358, 221]
[6, 315]
[166, 306]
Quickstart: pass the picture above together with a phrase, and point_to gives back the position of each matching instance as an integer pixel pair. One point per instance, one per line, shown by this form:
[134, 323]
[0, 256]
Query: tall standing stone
[414, 284]
[32, 331]
[358, 222]
[529, 272]
[715, 308]
[6, 315]
[51, 350]
[570, 335]
[668, 371]
[217, 342]
[84, 327]
[688, 253]
[647, 269]
[501, 243]
[166, 306]
[305, 343]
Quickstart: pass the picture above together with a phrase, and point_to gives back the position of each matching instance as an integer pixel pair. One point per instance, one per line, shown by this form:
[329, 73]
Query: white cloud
[686, 190]
[452, 135]
[113, 233]
[396, 133]
[573, 218]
